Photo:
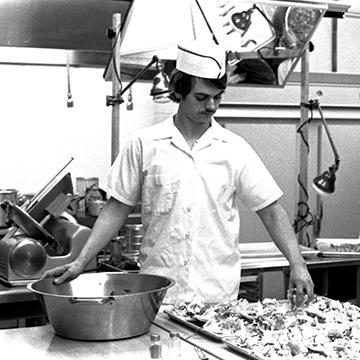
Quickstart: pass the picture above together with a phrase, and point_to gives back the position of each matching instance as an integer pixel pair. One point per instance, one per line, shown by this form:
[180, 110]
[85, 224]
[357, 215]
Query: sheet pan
[227, 340]
[325, 244]
[339, 254]
[193, 324]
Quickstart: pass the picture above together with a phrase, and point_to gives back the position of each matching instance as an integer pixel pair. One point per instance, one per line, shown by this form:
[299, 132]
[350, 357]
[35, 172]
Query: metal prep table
[41, 342]
[322, 265]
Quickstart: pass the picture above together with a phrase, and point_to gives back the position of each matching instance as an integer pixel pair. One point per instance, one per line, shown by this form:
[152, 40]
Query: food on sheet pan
[338, 245]
[344, 247]
[273, 329]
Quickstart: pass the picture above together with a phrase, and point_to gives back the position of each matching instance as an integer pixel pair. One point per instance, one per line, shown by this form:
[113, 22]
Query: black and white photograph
[180, 179]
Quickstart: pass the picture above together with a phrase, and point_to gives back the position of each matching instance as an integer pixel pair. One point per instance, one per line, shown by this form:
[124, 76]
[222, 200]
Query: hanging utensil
[70, 101]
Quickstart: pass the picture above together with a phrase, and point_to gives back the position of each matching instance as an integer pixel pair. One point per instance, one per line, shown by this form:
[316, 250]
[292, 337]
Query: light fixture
[324, 184]
[160, 88]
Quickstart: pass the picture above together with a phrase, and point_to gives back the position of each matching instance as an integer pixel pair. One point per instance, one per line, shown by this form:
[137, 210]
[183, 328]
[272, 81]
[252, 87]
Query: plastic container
[174, 348]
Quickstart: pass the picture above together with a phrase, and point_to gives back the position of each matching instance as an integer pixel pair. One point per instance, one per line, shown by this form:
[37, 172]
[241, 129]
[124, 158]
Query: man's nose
[210, 105]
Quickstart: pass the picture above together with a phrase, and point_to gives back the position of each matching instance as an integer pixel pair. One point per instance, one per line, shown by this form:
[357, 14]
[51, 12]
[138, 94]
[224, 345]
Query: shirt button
[187, 236]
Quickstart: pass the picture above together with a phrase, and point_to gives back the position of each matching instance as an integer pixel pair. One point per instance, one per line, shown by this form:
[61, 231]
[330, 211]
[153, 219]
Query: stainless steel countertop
[42, 343]
[278, 263]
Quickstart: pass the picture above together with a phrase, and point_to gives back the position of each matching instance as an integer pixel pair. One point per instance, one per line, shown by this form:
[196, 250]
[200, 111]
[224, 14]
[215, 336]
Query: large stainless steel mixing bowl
[102, 306]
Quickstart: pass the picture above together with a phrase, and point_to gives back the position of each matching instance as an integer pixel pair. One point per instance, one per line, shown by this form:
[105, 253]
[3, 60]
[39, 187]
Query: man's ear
[175, 96]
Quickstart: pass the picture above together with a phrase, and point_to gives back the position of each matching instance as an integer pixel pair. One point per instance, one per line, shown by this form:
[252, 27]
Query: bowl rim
[171, 283]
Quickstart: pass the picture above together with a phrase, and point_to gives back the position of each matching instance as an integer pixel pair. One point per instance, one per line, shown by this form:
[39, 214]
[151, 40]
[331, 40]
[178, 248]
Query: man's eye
[200, 98]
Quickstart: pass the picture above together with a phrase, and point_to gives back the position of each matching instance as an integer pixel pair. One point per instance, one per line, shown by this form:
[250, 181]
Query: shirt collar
[167, 130]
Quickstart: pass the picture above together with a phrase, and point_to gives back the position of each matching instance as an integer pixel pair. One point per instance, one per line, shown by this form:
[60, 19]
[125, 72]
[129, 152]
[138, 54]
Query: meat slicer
[40, 235]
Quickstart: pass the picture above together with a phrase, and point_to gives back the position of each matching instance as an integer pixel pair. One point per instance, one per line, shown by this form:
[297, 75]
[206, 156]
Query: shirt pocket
[159, 193]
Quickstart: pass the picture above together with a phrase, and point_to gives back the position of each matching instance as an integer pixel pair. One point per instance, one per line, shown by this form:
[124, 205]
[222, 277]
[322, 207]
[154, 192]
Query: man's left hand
[301, 285]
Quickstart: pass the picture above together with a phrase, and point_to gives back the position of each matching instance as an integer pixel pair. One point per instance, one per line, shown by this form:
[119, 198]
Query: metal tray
[327, 247]
[227, 341]
[269, 250]
[194, 325]
[339, 254]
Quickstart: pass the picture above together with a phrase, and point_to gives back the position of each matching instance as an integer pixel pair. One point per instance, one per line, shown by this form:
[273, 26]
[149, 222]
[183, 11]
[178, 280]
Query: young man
[189, 174]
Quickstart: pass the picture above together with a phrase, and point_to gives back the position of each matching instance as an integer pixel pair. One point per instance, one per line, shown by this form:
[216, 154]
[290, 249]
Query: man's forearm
[278, 226]
[109, 222]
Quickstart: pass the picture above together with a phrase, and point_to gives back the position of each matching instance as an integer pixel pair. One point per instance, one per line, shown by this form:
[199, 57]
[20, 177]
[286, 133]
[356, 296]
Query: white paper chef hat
[201, 59]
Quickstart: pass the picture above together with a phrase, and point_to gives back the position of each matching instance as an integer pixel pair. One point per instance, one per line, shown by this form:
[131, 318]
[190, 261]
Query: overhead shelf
[261, 52]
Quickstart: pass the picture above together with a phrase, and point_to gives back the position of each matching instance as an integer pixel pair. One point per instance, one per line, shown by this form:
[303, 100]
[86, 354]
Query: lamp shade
[324, 184]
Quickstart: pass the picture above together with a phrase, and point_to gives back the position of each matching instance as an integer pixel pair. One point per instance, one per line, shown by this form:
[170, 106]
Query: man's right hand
[65, 272]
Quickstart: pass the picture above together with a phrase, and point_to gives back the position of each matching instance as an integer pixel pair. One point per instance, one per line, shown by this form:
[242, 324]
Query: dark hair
[182, 84]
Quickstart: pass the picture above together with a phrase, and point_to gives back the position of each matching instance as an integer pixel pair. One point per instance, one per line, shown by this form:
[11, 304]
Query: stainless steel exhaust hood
[52, 26]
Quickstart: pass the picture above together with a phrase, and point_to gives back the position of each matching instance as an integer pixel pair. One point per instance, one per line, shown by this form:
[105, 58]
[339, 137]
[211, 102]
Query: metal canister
[82, 184]
[95, 200]
[6, 194]
[134, 234]
[94, 207]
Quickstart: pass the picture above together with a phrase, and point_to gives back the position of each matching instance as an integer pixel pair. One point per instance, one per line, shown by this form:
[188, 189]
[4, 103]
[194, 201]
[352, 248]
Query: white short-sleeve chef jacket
[189, 205]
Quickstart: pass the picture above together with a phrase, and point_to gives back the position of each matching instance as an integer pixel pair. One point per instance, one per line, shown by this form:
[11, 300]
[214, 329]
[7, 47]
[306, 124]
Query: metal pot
[102, 306]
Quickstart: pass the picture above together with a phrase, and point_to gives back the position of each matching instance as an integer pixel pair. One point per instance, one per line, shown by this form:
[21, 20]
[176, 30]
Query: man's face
[202, 102]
